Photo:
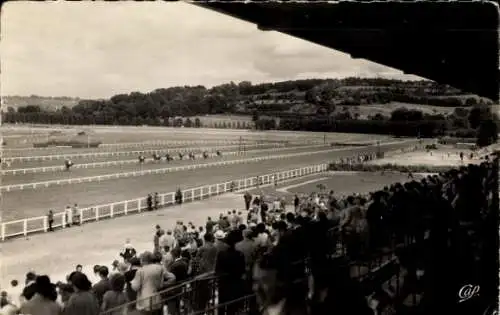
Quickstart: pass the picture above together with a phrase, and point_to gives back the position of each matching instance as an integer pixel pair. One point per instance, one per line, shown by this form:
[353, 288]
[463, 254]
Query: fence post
[139, 206]
[25, 227]
[3, 232]
[63, 220]
[125, 208]
[217, 189]
[45, 223]
[111, 210]
[97, 213]
[81, 216]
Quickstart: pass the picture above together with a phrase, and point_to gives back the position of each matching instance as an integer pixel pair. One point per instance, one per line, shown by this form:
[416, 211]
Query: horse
[141, 159]
[192, 156]
[181, 156]
[156, 157]
[219, 153]
[68, 164]
[168, 157]
[205, 155]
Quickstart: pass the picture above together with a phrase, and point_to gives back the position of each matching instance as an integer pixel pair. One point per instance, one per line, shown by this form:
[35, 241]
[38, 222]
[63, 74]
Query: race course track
[113, 169]
[30, 203]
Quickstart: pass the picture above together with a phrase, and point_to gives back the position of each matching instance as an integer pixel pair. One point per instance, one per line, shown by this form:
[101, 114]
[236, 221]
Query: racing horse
[219, 153]
[156, 157]
[141, 159]
[192, 156]
[181, 156]
[168, 157]
[205, 155]
[68, 164]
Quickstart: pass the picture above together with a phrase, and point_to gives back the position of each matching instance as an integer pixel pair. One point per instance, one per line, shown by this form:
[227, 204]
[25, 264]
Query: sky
[97, 50]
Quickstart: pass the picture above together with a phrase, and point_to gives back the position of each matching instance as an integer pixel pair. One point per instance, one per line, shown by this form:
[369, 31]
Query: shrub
[388, 167]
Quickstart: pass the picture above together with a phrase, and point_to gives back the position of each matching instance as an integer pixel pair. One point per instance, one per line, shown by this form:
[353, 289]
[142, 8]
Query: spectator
[209, 226]
[43, 301]
[30, 288]
[206, 255]
[6, 306]
[148, 280]
[101, 287]
[248, 248]
[128, 251]
[219, 241]
[230, 267]
[115, 297]
[82, 301]
[270, 286]
[65, 292]
[135, 264]
[180, 270]
[167, 240]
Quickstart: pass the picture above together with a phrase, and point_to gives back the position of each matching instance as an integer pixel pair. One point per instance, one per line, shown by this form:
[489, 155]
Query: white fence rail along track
[54, 168]
[51, 157]
[78, 180]
[140, 144]
[28, 226]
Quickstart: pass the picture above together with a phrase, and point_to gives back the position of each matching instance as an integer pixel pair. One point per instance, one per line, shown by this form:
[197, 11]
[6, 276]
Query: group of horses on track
[156, 158]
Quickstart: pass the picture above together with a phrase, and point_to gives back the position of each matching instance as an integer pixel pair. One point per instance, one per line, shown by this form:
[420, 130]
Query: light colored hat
[219, 235]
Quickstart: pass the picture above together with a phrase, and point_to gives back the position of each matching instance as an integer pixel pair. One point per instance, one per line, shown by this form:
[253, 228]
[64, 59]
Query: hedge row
[70, 143]
[388, 167]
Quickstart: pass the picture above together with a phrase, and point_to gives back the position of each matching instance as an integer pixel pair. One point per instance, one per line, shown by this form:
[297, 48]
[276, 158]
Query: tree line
[179, 106]
[479, 123]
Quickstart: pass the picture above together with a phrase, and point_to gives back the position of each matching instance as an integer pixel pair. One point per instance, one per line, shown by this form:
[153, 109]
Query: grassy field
[24, 138]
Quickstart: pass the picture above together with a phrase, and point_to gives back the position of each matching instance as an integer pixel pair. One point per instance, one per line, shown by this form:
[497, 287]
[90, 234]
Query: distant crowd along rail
[197, 151]
[39, 224]
[67, 181]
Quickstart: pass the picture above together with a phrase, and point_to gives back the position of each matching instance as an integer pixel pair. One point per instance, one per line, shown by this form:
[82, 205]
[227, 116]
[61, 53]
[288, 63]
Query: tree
[487, 133]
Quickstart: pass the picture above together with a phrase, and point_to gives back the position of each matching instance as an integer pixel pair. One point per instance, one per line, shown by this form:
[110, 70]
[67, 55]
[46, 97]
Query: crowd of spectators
[282, 255]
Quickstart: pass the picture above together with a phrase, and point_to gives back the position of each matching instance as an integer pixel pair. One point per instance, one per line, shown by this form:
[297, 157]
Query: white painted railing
[127, 153]
[40, 224]
[356, 150]
[54, 168]
[140, 144]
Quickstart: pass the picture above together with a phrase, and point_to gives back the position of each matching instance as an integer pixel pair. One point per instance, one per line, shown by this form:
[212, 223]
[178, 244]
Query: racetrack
[29, 203]
[114, 169]
[132, 156]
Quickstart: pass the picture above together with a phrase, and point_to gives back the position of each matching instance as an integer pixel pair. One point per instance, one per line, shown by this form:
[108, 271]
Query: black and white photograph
[253, 158]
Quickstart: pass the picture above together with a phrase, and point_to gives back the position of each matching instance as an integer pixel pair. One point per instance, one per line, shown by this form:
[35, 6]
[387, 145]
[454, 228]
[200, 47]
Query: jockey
[68, 164]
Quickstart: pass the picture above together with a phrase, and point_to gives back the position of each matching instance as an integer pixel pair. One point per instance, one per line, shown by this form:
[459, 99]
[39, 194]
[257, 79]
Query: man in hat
[220, 244]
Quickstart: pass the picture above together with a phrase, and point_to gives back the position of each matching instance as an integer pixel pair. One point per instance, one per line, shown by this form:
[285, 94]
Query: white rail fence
[127, 153]
[54, 168]
[142, 144]
[40, 224]
[98, 178]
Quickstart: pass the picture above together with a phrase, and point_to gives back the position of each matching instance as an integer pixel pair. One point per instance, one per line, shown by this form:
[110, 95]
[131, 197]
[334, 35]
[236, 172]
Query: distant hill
[46, 103]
